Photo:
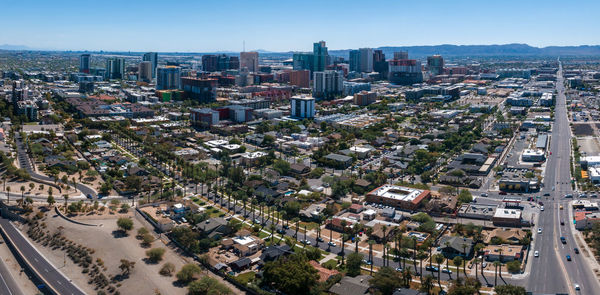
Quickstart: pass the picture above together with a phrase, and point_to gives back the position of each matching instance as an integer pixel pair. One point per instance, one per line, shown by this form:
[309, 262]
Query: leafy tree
[50, 200]
[386, 280]
[155, 255]
[281, 166]
[208, 285]
[187, 272]
[513, 266]
[291, 275]
[465, 196]
[126, 266]
[353, 264]
[125, 224]
[167, 269]
[509, 290]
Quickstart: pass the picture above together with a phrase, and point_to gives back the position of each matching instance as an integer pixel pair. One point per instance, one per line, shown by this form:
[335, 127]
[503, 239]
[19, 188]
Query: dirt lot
[111, 248]
[589, 145]
[583, 129]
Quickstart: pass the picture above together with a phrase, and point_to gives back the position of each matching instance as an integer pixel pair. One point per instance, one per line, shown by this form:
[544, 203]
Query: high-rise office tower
[354, 60]
[435, 64]
[249, 60]
[401, 55]
[84, 63]
[327, 84]
[168, 77]
[115, 68]
[320, 56]
[366, 60]
[303, 61]
[152, 57]
[145, 72]
[380, 65]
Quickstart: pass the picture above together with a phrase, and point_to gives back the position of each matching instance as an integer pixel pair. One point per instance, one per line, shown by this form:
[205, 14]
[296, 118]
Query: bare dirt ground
[589, 145]
[111, 247]
[26, 285]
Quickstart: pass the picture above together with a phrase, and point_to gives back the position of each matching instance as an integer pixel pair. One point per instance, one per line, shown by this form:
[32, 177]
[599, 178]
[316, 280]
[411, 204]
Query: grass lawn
[246, 277]
[330, 264]
[309, 226]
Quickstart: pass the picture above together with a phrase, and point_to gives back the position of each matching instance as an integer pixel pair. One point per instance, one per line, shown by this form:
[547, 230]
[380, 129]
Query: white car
[539, 230]
[536, 254]
[577, 288]
[542, 208]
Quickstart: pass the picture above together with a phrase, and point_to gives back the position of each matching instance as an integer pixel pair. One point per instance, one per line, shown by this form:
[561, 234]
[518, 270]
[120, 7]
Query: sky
[283, 25]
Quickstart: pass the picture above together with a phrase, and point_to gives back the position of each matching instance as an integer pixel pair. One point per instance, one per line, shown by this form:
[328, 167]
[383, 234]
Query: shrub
[155, 254]
[167, 269]
[187, 272]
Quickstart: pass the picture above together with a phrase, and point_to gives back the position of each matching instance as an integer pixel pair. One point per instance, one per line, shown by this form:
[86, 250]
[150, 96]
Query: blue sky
[186, 25]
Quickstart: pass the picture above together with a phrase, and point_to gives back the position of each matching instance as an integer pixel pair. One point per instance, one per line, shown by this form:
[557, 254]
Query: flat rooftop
[402, 193]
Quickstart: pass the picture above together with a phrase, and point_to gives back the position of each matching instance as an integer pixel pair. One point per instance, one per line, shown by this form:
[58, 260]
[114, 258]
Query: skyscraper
[435, 64]
[115, 68]
[380, 65]
[84, 63]
[366, 60]
[249, 60]
[320, 56]
[327, 84]
[401, 55]
[168, 77]
[152, 57]
[222, 62]
[303, 61]
[145, 72]
[354, 60]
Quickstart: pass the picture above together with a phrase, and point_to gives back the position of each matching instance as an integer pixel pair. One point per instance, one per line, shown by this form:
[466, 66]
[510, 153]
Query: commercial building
[530, 155]
[28, 108]
[350, 88]
[151, 57]
[327, 84]
[405, 71]
[354, 60]
[300, 78]
[320, 56]
[361, 60]
[221, 62]
[249, 60]
[202, 90]
[398, 196]
[507, 217]
[303, 107]
[435, 64]
[168, 77]
[204, 117]
[145, 72]
[115, 68]
[504, 253]
[380, 65]
[364, 98]
[84, 63]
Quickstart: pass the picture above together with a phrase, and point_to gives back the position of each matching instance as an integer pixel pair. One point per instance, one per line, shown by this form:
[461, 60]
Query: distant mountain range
[484, 50]
[514, 49]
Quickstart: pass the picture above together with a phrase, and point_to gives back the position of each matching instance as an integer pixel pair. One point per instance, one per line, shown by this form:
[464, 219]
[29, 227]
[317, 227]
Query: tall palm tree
[344, 236]
[22, 195]
[476, 262]
[496, 265]
[427, 284]
[7, 195]
[421, 255]
[384, 229]
[66, 197]
[464, 246]
[457, 261]
[439, 258]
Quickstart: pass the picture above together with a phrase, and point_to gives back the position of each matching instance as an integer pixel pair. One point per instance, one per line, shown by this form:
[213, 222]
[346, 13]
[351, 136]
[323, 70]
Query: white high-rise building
[327, 84]
[303, 107]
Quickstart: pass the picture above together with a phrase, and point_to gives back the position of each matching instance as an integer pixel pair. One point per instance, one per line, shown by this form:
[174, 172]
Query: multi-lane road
[55, 279]
[551, 272]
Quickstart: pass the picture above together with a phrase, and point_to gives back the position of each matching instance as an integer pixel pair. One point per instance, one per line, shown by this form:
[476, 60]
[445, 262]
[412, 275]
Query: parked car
[445, 270]
[536, 254]
[431, 268]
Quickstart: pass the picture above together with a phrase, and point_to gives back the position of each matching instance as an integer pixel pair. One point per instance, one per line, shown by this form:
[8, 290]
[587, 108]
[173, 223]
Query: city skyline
[283, 27]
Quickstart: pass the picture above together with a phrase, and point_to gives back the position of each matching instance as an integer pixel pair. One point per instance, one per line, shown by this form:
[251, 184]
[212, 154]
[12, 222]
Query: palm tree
[344, 236]
[476, 262]
[66, 197]
[427, 284]
[439, 258]
[7, 195]
[407, 276]
[384, 229]
[22, 195]
[457, 261]
[421, 255]
[496, 265]
[464, 246]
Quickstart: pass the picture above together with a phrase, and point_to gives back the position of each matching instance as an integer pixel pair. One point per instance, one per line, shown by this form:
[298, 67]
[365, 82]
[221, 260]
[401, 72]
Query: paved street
[55, 279]
[551, 272]
[7, 282]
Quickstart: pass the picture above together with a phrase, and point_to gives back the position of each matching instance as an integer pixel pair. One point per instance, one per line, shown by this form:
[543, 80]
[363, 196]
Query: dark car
[576, 250]
[563, 240]
[568, 257]
[431, 268]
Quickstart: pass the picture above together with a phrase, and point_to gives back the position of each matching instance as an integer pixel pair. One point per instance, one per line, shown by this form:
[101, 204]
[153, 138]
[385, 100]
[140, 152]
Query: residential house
[351, 285]
[503, 253]
[453, 246]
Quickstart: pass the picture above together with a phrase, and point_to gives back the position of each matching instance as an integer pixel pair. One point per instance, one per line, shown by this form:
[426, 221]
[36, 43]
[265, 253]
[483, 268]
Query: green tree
[291, 275]
[513, 266]
[187, 272]
[509, 290]
[50, 200]
[167, 269]
[207, 285]
[353, 264]
[125, 224]
[386, 280]
[155, 254]
[465, 196]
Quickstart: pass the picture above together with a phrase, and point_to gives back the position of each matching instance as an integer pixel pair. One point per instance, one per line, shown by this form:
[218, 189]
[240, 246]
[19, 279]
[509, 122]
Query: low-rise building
[503, 253]
[398, 196]
[507, 217]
